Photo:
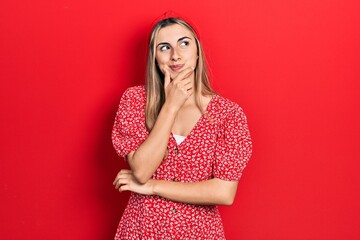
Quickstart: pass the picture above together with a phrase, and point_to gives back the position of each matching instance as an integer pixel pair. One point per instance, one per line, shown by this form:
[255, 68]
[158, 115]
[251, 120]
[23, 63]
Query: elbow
[227, 198]
[141, 173]
[141, 177]
[224, 191]
[228, 201]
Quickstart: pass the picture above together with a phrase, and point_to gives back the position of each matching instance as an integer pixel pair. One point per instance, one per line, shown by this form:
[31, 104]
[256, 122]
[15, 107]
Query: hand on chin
[173, 75]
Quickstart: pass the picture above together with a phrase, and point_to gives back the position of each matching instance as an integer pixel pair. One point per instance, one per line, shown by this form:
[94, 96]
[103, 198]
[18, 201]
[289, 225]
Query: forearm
[146, 159]
[209, 192]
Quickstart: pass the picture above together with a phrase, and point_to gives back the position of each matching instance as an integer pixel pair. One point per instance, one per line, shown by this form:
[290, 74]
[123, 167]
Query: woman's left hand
[125, 181]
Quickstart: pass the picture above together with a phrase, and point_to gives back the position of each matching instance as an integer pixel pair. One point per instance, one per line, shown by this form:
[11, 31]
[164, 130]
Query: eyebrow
[179, 40]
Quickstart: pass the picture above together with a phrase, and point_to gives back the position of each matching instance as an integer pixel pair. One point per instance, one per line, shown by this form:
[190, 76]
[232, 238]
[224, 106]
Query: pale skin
[176, 56]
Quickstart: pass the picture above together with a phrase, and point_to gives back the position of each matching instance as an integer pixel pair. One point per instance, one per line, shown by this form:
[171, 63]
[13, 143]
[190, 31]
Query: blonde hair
[155, 95]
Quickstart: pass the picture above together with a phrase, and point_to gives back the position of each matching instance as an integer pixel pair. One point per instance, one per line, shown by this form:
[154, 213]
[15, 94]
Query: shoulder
[230, 117]
[135, 93]
[132, 100]
[223, 107]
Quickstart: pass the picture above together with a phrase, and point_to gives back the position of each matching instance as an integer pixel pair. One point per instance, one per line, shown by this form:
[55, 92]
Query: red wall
[292, 65]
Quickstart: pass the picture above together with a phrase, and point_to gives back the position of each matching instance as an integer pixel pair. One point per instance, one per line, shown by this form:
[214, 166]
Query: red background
[292, 65]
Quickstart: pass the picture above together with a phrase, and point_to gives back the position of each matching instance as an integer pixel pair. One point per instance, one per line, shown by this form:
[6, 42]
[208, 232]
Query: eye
[184, 43]
[164, 48]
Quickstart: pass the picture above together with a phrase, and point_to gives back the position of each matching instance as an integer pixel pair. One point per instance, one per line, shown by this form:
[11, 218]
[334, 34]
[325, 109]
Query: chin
[173, 75]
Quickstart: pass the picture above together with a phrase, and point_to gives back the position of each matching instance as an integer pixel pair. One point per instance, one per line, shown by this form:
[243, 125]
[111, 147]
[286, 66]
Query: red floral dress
[219, 146]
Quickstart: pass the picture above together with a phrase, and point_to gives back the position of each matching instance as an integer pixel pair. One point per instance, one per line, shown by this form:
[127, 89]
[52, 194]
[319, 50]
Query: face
[175, 49]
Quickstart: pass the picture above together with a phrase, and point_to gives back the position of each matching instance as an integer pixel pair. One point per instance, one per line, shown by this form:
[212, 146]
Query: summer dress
[219, 146]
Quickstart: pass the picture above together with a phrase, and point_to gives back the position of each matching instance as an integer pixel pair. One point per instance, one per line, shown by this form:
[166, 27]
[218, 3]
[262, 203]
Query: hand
[125, 181]
[179, 89]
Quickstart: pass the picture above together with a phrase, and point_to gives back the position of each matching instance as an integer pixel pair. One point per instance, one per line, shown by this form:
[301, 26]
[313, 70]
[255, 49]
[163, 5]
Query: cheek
[161, 59]
[193, 59]
[161, 66]
[193, 55]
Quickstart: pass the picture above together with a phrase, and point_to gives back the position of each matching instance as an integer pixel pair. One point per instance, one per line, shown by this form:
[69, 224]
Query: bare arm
[147, 158]
[210, 192]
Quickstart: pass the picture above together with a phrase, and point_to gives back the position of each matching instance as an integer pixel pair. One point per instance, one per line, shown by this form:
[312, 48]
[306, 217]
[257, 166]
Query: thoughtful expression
[176, 49]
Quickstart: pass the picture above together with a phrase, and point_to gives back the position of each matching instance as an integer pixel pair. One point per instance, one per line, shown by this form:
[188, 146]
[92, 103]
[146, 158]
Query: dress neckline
[207, 109]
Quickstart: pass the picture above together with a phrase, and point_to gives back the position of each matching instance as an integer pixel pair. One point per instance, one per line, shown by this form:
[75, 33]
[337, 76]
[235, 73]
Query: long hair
[155, 94]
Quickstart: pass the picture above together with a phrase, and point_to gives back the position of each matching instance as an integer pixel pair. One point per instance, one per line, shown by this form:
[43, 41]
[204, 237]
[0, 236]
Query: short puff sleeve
[234, 147]
[129, 130]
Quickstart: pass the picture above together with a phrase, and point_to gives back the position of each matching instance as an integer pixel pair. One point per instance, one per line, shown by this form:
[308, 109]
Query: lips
[177, 67]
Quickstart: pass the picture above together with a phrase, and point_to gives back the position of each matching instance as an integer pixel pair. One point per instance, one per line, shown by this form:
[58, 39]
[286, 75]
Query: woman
[186, 145]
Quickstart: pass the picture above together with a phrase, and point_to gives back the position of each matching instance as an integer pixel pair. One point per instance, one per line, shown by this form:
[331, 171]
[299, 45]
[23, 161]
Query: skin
[176, 56]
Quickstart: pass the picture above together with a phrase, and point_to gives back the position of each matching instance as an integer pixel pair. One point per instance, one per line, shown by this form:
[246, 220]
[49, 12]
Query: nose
[175, 55]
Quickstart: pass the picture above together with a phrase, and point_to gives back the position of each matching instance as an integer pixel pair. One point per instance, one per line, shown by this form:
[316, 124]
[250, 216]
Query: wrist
[152, 186]
[169, 108]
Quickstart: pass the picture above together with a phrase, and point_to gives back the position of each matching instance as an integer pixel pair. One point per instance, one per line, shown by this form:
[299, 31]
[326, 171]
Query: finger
[121, 182]
[123, 173]
[183, 84]
[124, 188]
[190, 93]
[116, 179]
[115, 183]
[184, 74]
[166, 78]
[188, 85]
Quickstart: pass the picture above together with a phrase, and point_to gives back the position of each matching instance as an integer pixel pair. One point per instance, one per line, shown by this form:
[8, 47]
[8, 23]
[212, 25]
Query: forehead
[172, 33]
